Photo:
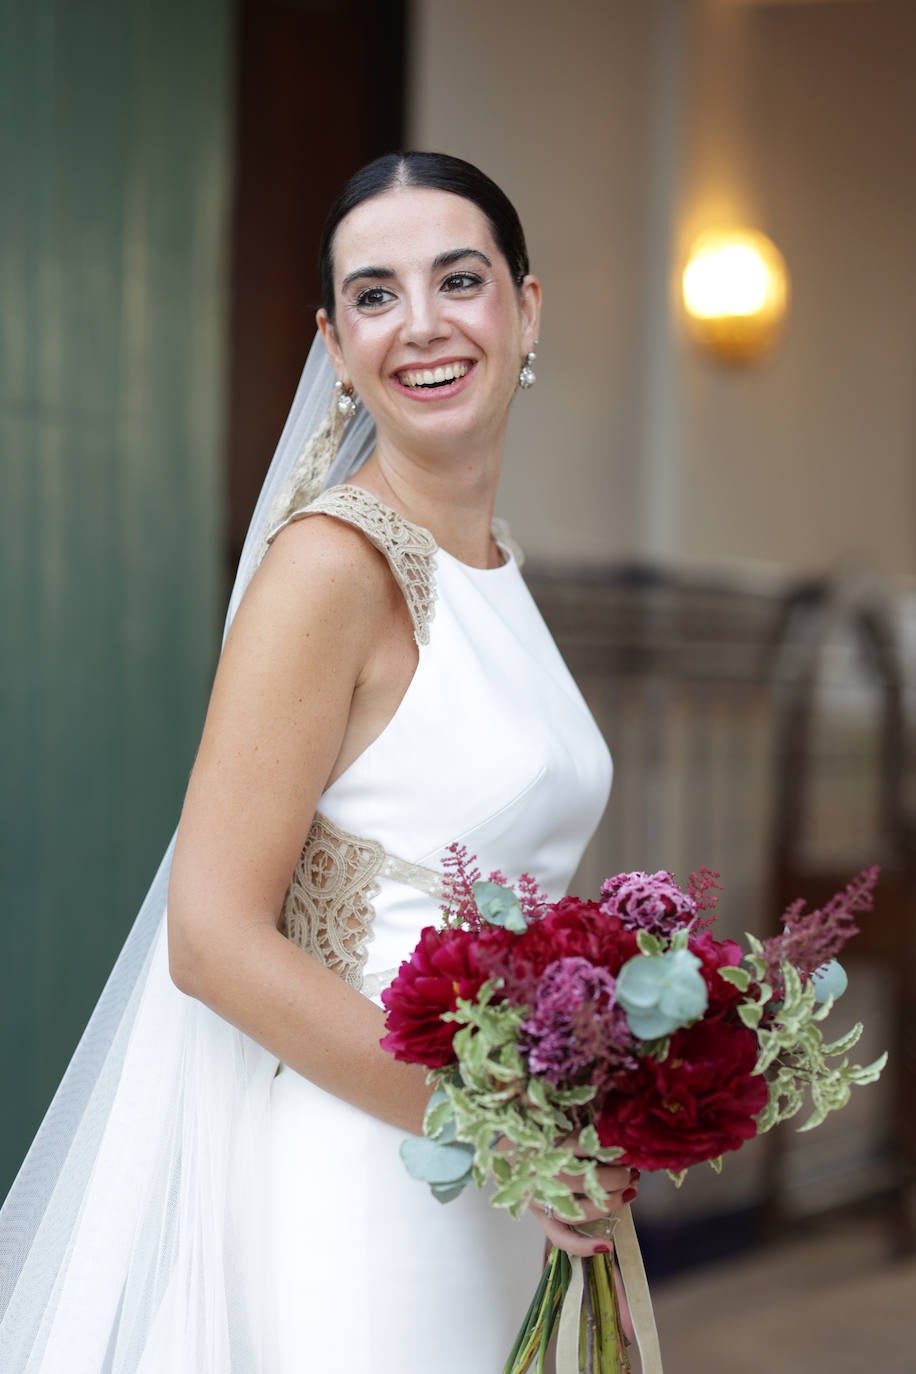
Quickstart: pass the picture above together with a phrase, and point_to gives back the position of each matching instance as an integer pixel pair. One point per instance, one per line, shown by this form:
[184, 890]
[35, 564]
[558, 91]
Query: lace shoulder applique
[409, 548]
[503, 535]
[328, 908]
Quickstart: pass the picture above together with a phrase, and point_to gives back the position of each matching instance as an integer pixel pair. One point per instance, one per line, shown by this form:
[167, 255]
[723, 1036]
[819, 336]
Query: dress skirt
[372, 1274]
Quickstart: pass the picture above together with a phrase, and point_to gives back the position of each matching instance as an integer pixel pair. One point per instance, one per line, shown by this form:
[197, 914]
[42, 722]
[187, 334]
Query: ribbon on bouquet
[639, 1301]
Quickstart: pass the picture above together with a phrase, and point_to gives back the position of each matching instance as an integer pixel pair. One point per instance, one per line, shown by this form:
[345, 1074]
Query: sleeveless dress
[492, 746]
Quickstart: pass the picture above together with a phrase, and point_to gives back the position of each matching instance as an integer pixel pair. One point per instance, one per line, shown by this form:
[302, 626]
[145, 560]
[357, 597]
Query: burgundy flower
[700, 1103]
[444, 966]
[569, 929]
[713, 955]
[647, 901]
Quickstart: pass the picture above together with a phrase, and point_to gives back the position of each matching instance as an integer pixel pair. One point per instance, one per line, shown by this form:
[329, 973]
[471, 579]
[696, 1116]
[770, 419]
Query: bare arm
[319, 638]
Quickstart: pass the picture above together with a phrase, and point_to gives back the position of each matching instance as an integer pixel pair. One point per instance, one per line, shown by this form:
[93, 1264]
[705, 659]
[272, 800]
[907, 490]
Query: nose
[423, 322]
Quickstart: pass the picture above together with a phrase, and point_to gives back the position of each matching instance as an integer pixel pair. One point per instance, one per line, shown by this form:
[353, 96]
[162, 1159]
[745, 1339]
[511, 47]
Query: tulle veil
[130, 1242]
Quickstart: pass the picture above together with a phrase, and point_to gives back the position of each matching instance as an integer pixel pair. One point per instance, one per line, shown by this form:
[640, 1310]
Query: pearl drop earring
[527, 377]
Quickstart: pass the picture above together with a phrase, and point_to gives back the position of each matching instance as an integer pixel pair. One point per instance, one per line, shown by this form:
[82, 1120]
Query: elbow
[182, 970]
[187, 966]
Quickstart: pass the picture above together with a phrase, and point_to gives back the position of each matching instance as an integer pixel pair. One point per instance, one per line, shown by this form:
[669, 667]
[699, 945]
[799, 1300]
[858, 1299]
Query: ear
[530, 306]
[329, 336]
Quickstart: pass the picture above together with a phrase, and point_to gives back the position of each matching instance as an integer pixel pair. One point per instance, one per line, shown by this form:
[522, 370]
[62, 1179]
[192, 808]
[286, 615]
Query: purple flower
[647, 901]
[576, 1032]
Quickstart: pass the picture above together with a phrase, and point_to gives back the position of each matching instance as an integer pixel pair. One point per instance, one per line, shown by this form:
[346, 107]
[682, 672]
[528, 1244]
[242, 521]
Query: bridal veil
[129, 1243]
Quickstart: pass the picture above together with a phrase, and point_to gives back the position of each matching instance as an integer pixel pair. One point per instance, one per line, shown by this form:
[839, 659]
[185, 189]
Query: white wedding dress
[191, 1207]
[494, 747]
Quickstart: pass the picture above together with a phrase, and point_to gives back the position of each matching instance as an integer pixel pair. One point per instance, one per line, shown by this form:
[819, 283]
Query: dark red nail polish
[629, 1194]
[602, 1249]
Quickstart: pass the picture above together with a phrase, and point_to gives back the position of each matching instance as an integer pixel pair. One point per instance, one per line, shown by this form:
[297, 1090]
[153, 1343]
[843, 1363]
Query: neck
[450, 493]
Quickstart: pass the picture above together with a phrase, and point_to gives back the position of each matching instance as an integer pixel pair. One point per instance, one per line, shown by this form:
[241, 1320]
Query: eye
[461, 281]
[373, 297]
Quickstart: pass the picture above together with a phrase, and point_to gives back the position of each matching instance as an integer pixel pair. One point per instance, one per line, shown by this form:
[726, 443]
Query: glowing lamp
[736, 293]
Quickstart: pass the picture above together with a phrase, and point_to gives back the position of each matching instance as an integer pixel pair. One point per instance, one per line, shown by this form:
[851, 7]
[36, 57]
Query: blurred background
[719, 516]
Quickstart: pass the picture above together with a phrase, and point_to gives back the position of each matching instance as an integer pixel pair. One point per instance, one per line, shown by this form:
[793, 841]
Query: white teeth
[451, 372]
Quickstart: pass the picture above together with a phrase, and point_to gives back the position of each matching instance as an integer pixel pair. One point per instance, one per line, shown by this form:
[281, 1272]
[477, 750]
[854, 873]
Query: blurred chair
[837, 673]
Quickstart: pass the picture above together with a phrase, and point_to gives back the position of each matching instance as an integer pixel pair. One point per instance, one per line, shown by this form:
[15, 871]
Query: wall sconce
[736, 293]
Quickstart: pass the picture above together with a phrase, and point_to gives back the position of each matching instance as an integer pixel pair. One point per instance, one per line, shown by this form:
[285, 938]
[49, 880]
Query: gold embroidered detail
[409, 548]
[376, 983]
[414, 875]
[328, 907]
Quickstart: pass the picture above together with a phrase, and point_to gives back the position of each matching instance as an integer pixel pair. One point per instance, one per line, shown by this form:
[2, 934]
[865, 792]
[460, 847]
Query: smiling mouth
[429, 378]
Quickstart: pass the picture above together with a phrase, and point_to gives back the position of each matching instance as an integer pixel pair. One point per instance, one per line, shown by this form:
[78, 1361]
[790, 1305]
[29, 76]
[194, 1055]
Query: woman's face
[430, 329]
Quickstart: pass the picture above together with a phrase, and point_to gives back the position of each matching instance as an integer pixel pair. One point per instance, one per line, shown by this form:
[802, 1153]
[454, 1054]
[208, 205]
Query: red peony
[698, 1104]
[569, 929]
[445, 965]
[713, 955]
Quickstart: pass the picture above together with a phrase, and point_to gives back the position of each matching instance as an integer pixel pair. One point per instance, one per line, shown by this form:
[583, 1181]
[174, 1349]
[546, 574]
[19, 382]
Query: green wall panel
[115, 132]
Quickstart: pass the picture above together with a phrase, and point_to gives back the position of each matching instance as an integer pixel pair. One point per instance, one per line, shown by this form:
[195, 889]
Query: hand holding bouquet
[618, 1030]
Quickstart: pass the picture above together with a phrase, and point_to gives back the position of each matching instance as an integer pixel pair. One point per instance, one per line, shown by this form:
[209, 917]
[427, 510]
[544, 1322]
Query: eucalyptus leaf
[431, 1162]
[447, 1192]
[829, 980]
[660, 993]
[500, 906]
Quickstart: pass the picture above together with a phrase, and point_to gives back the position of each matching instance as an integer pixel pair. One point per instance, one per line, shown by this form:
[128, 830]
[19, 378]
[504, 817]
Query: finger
[613, 1203]
[611, 1178]
[566, 1238]
[620, 1187]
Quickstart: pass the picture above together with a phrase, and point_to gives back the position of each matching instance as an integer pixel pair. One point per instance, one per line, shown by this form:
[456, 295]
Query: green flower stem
[533, 1318]
[613, 1357]
[554, 1301]
[602, 1348]
[587, 1328]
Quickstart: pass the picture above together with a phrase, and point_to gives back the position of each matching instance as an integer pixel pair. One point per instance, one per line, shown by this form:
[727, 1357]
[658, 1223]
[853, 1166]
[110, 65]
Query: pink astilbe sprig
[703, 889]
[459, 908]
[810, 938]
[530, 896]
[461, 873]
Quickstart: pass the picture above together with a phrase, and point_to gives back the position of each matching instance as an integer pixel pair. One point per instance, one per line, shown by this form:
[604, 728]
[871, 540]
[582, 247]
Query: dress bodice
[492, 746]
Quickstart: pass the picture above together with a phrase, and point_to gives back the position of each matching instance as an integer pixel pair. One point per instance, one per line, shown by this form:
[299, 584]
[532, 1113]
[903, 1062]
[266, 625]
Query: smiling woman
[430, 324]
[229, 1195]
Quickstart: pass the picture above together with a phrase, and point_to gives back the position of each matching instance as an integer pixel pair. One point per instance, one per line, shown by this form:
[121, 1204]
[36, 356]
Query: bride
[217, 1185]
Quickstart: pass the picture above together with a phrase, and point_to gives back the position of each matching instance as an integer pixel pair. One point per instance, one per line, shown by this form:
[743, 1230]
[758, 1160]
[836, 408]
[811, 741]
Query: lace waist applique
[328, 909]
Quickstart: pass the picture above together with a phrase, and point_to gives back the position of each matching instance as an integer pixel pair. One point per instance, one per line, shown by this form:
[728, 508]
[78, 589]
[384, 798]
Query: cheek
[498, 324]
[364, 342]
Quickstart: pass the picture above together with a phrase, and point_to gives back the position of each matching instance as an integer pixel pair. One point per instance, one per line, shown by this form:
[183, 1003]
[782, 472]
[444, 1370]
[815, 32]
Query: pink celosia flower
[647, 901]
[574, 1028]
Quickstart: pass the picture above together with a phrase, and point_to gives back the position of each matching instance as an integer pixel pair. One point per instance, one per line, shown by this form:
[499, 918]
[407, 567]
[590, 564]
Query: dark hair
[439, 172]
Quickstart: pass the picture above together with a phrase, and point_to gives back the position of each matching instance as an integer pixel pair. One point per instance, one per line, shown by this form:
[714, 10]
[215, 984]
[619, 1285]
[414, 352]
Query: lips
[438, 381]
[433, 376]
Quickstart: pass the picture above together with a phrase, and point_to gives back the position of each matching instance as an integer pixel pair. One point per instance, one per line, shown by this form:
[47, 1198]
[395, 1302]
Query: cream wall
[551, 100]
[619, 128]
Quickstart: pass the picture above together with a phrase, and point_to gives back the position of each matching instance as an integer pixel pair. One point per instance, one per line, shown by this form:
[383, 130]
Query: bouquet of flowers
[564, 1035]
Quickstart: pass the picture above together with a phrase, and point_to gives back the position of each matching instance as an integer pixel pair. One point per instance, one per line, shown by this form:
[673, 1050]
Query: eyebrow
[442, 260]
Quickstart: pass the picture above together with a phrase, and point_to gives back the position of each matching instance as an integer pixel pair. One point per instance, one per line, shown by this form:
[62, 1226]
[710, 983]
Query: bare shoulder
[321, 572]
